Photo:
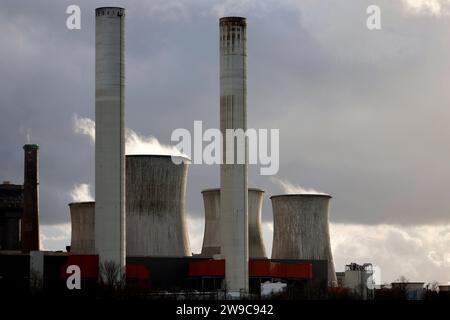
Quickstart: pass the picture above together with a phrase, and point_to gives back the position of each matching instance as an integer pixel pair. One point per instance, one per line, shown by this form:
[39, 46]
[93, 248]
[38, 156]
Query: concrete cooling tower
[212, 237]
[82, 216]
[155, 206]
[301, 229]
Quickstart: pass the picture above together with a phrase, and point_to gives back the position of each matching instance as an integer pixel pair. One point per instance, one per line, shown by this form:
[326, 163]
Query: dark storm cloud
[363, 115]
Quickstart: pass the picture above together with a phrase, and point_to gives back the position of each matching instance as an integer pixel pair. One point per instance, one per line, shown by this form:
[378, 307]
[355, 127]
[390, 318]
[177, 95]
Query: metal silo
[82, 216]
[155, 206]
[301, 229]
[212, 238]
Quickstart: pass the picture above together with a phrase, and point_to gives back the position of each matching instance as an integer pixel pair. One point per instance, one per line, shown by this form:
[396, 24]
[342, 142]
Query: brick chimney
[30, 218]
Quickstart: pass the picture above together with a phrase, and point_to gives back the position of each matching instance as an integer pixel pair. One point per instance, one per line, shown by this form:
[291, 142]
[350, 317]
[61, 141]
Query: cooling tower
[211, 235]
[300, 229]
[30, 216]
[82, 216]
[255, 240]
[233, 175]
[110, 135]
[156, 200]
[211, 238]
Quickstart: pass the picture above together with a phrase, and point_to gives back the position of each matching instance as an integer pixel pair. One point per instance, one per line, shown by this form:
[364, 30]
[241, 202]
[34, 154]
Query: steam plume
[290, 188]
[134, 142]
[81, 193]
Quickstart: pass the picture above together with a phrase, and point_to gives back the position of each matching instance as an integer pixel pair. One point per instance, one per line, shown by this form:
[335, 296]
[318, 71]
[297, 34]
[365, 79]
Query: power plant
[211, 239]
[138, 220]
[301, 229]
[233, 176]
[110, 136]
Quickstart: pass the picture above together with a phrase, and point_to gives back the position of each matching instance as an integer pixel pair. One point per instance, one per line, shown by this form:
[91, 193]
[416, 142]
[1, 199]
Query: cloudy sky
[363, 115]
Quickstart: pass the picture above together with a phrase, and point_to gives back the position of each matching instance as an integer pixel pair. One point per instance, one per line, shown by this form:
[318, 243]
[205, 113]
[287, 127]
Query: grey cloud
[362, 114]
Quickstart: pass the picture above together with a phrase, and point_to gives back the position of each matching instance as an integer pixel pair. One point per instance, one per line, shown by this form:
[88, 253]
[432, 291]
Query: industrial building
[11, 210]
[138, 220]
[410, 290]
[358, 279]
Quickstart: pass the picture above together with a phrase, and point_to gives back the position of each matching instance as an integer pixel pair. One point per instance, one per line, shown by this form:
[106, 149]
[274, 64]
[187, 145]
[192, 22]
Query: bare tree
[433, 286]
[111, 276]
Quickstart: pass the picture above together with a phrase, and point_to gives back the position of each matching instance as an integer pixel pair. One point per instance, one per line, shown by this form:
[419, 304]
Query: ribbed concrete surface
[301, 229]
[156, 202]
[211, 238]
[82, 216]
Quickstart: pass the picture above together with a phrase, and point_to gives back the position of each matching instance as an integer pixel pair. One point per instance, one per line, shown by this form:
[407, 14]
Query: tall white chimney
[110, 136]
[233, 177]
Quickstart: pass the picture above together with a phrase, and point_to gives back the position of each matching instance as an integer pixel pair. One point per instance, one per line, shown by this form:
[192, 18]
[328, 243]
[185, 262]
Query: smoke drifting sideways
[135, 143]
[291, 188]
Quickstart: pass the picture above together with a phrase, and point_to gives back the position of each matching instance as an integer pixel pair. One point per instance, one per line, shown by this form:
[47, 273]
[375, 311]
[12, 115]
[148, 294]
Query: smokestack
[30, 217]
[301, 229]
[233, 177]
[110, 135]
[82, 216]
[211, 238]
[156, 206]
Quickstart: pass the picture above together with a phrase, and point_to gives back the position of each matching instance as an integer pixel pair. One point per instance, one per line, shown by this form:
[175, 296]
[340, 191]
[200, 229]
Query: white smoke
[290, 188]
[26, 133]
[81, 193]
[137, 144]
[84, 126]
[134, 142]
